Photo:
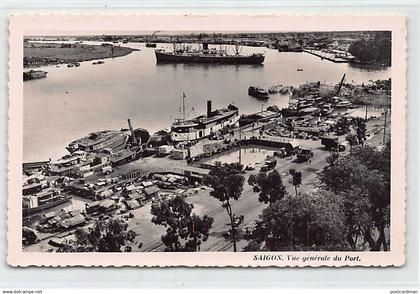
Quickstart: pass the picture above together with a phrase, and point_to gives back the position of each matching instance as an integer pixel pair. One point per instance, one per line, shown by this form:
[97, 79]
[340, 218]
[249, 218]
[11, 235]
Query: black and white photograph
[233, 141]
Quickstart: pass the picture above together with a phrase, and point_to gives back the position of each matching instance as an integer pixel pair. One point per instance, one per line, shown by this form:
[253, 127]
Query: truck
[270, 163]
[330, 142]
[281, 153]
[304, 155]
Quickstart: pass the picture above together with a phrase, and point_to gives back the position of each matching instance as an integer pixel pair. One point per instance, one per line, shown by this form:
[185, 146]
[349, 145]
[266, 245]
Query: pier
[327, 56]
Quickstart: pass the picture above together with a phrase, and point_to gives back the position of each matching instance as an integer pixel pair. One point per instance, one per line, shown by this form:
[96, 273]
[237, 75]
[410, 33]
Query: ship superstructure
[205, 125]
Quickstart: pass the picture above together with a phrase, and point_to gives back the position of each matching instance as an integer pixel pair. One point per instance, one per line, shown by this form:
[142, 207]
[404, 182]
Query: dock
[327, 56]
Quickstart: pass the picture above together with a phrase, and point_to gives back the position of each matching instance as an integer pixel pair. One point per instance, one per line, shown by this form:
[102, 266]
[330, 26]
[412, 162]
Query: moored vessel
[258, 92]
[204, 125]
[34, 74]
[206, 55]
[97, 141]
[43, 200]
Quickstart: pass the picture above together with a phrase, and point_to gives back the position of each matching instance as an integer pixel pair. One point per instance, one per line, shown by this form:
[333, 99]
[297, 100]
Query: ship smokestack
[208, 108]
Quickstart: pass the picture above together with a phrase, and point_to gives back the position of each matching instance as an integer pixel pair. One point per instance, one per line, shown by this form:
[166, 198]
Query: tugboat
[206, 55]
[258, 92]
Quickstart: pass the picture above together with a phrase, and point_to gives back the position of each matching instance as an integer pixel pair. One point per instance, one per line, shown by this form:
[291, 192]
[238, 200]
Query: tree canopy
[301, 222]
[269, 185]
[185, 231]
[105, 236]
[377, 50]
[362, 178]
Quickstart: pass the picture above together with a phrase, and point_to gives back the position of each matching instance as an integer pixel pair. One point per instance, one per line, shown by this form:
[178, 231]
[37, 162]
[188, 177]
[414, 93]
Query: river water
[71, 102]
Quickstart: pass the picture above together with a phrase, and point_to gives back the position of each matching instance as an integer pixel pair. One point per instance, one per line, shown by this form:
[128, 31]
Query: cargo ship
[206, 56]
[34, 74]
[43, 200]
[205, 125]
[97, 141]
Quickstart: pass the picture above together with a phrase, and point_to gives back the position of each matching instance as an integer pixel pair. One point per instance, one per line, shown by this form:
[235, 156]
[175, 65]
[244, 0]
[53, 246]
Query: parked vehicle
[304, 155]
[281, 153]
[330, 142]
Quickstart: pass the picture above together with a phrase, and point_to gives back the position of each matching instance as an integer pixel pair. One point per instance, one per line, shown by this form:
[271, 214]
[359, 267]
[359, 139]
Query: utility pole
[240, 149]
[366, 118]
[384, 139]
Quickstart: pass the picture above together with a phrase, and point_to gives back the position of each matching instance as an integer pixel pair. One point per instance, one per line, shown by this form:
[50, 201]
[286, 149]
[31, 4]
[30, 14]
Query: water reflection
[247, 154]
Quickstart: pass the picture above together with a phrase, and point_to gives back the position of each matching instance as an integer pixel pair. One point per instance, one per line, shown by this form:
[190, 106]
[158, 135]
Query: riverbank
[41, 54]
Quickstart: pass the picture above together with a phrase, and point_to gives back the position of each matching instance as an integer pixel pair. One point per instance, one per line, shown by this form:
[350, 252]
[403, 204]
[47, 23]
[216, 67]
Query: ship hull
[116, 143]
[31, 211]
[162, 57]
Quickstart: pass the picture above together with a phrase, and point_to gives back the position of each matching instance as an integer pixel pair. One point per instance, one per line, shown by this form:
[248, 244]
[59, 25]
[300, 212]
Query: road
[247, 205]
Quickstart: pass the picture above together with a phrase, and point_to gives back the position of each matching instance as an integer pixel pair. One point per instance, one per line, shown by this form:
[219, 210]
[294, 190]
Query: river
[71, 102]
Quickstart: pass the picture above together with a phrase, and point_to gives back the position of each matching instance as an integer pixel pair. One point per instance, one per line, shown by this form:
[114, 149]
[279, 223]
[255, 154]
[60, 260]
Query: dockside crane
[134, 139]
[149, 42]
[341, 85]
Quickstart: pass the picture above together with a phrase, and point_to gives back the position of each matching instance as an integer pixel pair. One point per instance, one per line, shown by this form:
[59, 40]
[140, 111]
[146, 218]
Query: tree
[184, 231]
[377, 50]
[333, 157]
[227, 182]
[342, 126]
[362, 178]
[296, 178]
[270, 186]
[317, 221]
[105, 236]
[360, 127]
[352, 139]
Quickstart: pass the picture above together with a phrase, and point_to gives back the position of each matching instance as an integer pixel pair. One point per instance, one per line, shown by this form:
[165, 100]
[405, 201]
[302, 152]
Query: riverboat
[98, 141]
[43, 200]
[204, 126]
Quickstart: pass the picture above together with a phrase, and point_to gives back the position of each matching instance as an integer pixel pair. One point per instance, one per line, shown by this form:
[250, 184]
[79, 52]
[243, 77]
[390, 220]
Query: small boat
[258, 92]
[299, 69]
[343, 104]
[326, 109]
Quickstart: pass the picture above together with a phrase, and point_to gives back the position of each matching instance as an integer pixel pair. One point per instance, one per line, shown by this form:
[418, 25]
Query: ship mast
[183, 106]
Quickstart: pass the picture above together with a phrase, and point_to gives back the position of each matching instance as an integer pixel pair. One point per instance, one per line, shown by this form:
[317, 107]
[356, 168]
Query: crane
[149, 42]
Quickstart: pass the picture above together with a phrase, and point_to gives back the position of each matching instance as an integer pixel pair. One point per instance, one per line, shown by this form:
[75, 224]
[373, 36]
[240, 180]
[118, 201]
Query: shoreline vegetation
[41, 54]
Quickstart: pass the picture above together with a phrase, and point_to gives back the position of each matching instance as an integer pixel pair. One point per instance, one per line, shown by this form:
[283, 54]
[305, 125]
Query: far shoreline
[45, 54]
